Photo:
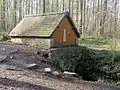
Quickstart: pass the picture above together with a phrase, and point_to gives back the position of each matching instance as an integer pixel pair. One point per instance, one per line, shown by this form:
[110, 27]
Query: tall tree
[81, 14]
[72, 8]
[77, 11]
[115, 19]
[89, 16]
[3, 15]
[84, 14]
[104, 12]
[57, 5]
[69, 6]
[14, 13]
[63, 5]
[20, 9]
[43, 6]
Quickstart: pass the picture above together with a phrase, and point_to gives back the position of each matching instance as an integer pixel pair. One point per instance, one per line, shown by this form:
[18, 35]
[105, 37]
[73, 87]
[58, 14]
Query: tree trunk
[81, 19]
[102, 22]
[20, 10]
[69, 7]
[63, 5]
[115, 20]
[43, 6]
[77, 11]
[3, 16]
[15, 17]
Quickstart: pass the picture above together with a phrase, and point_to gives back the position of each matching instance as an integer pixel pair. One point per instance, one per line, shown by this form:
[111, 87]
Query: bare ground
[15, 76]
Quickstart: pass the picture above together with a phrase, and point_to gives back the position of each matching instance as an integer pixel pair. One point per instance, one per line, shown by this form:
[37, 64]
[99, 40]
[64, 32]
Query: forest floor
[15, 76]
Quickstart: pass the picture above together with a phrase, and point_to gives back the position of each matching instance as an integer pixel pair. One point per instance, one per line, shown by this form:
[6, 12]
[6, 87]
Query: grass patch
[95, 43]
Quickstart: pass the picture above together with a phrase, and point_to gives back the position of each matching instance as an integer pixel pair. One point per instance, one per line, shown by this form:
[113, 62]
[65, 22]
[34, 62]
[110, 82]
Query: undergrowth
[109, 65]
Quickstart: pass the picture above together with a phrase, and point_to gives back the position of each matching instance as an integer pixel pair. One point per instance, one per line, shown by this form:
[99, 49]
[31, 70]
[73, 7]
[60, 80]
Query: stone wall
[41, 44]
[66, 58]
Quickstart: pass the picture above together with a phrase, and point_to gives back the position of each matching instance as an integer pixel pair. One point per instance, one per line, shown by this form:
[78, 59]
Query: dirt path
[24, 79]
[9, 84]
[27, 80]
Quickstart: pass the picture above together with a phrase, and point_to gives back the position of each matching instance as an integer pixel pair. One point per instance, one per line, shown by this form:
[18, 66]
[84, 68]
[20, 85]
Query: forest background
[91, 17]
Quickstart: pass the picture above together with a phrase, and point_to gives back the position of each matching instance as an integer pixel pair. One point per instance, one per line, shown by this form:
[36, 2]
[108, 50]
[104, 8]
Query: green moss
[118, 82]
[94, 43]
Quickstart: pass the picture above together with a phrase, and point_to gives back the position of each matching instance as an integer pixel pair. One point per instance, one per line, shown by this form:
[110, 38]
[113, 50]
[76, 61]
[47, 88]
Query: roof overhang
[29, 37]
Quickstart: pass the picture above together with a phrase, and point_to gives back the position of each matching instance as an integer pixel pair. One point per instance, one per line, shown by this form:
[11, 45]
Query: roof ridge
[51, 13]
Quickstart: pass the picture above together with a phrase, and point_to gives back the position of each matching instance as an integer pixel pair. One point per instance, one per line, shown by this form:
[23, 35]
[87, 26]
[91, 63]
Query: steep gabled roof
[40, 25]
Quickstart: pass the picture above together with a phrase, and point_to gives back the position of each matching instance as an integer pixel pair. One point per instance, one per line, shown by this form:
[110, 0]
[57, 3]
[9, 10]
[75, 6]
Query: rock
[3, 49]
[2, 57]
[15, 51]
[30, 66]
[55, 73]
[70, 73]
[47, 70]
[11, 88]
[11, 57]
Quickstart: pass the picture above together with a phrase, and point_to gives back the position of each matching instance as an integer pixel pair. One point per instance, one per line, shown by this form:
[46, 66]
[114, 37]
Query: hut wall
[42, 44]
[58, 35]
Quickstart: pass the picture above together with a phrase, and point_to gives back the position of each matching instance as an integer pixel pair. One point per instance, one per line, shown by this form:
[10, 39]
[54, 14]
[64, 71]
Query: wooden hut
[46, 31]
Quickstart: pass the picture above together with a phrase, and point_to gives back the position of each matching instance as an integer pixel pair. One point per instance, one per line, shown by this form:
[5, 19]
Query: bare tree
[43, 6]
[104, 12]
[20, 10]
[3, 15]
[81, 19]
[99, 16]
[14, 15]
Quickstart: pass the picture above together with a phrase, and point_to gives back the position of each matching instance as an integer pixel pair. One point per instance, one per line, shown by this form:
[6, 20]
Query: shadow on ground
[21, 84]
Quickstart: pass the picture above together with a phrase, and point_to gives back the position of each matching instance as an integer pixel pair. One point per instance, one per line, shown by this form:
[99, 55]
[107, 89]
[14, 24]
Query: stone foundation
[41, 44]
[66, 58]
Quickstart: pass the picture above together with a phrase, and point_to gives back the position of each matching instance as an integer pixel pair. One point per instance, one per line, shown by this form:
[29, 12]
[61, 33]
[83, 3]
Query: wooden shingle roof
[39, 25]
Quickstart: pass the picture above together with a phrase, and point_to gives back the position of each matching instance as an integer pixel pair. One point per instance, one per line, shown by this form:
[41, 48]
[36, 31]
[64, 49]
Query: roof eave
[30, 36]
